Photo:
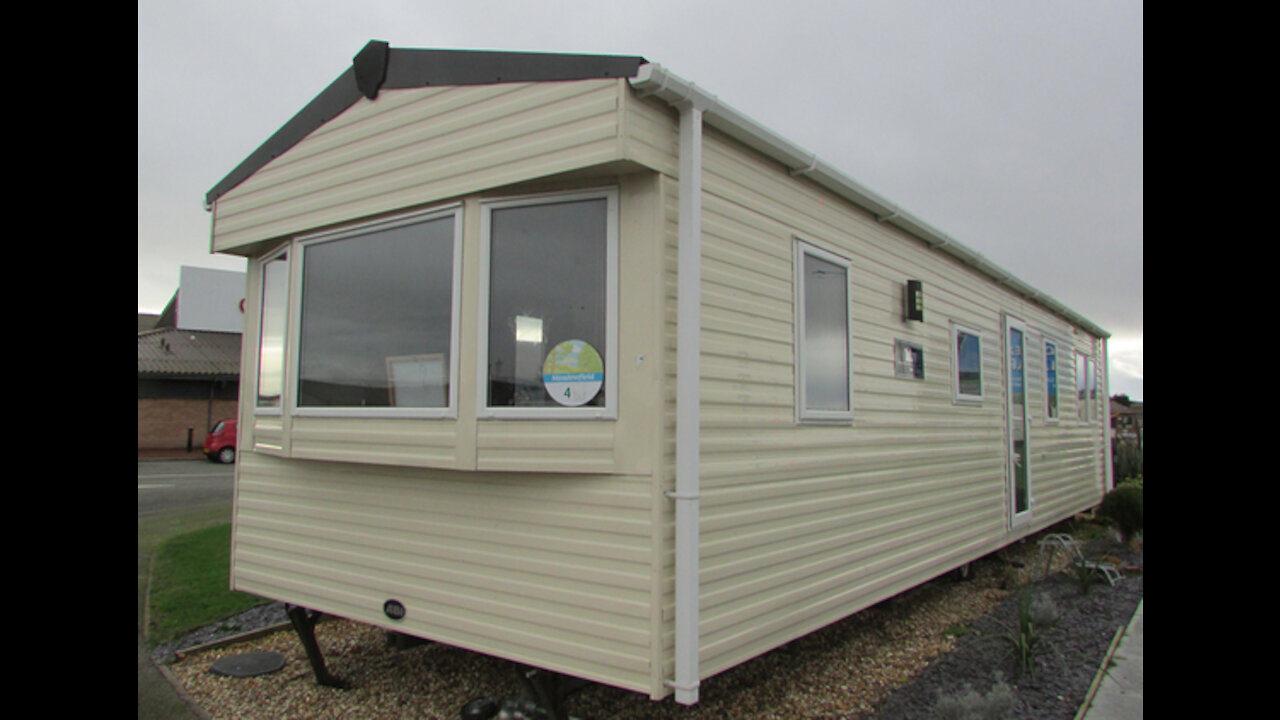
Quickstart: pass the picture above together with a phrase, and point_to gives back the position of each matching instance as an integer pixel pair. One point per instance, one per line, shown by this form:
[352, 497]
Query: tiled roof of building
[171, 352]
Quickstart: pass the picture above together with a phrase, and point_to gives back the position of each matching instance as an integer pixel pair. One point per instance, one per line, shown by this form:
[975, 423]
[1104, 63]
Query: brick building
[189, 361]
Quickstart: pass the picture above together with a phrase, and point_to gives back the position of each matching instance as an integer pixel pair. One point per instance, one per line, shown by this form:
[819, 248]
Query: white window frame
[610, 409]
[300, 253]
[1053, 393]
[288, 252]
[958, 397]
[1012, 324]
[804, 414]
[1085, 407]
[901, 368]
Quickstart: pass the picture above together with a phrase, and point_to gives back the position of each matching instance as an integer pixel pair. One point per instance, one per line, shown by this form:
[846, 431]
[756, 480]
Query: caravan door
[1018, 421]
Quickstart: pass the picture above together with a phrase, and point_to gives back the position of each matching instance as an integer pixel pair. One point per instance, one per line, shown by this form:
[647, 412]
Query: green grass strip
[190, 585]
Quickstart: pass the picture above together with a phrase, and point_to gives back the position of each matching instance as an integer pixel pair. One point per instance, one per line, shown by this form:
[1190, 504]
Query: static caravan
[560, 359]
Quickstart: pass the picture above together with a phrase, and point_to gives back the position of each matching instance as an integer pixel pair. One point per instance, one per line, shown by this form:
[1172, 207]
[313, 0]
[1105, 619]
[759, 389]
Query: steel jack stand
[304, 624]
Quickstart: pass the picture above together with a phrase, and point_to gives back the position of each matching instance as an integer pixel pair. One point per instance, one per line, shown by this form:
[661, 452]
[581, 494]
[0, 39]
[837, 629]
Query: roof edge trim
[653, 79]
[379, 66]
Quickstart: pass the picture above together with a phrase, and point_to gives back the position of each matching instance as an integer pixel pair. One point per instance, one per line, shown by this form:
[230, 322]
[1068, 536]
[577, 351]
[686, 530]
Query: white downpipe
[691, 102]
[688, 405]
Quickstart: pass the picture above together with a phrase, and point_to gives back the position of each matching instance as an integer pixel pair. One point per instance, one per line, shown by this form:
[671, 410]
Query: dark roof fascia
[379, 66]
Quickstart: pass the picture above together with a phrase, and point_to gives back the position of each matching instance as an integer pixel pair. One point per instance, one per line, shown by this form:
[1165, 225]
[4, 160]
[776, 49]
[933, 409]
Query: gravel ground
[893, 661]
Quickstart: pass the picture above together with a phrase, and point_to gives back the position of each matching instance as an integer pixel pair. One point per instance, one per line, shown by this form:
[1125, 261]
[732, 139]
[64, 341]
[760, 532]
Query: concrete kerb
[1117, 690]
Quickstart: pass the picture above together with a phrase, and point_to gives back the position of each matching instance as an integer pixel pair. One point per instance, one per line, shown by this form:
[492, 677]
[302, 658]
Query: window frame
[1017, 375]
[958, 397]
[1052, 383]
[287, 253]
[1086, 383]
[901, 369]
[301, 245]
[608, 411]
[804, 414]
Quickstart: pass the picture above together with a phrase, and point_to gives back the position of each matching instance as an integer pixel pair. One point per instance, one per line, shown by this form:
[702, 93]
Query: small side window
[966, 364]
[275, 297]
[824, 391]
[908, 360]
[1086, 387]
[1051, 380]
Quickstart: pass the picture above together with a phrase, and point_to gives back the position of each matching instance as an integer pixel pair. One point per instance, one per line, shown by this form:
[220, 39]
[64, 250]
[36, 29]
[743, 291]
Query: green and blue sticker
[573, 373]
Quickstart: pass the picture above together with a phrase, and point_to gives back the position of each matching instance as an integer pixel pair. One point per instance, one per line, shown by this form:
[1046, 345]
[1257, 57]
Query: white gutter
[655, 80]
[691, 102]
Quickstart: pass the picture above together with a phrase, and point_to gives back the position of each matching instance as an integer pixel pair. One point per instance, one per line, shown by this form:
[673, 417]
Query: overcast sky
[1014, 127]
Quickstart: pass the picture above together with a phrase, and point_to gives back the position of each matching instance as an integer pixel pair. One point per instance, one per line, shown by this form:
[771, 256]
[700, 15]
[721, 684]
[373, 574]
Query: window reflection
[377, 318]
[1051, 378]
[547, 284]
[275, 293]
[969, 363]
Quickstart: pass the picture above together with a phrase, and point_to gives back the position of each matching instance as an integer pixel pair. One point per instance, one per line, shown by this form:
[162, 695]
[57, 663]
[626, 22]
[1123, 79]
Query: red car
[220, 443]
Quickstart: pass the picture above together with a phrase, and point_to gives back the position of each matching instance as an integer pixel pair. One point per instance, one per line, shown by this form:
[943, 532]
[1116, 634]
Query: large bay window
[824, 367]
[377, 322]
[548, 306]
[370, 324]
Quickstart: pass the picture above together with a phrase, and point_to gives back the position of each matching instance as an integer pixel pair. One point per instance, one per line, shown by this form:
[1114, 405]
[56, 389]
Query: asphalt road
[174, 497]
[175, 485]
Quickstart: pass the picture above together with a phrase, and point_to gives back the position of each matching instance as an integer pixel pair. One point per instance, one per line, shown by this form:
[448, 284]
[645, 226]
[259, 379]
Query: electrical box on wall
[915, 300]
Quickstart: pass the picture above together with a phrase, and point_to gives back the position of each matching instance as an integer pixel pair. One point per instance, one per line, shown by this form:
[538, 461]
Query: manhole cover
[248, 664]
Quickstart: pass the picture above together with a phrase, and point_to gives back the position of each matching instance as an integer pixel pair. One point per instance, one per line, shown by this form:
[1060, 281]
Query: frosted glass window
[908, 360]
[275, 296]
[823, 353]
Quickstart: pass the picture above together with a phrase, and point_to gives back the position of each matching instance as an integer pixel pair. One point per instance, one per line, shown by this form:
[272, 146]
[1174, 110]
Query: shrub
[1123, 506]
[1027, 641]
[969, 705]
[1135, 481]
[1085, 574]
[1126, 458]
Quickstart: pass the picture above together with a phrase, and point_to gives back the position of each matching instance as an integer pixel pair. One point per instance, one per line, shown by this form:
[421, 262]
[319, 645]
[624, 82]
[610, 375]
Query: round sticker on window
[573, 373]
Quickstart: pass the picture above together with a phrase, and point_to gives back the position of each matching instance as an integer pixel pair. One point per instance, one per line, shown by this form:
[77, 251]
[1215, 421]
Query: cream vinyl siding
[550, 570]
[803, 525]
[416, 146]
[383, 441]
[535, 540]
[665, 482]
[651, 134]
